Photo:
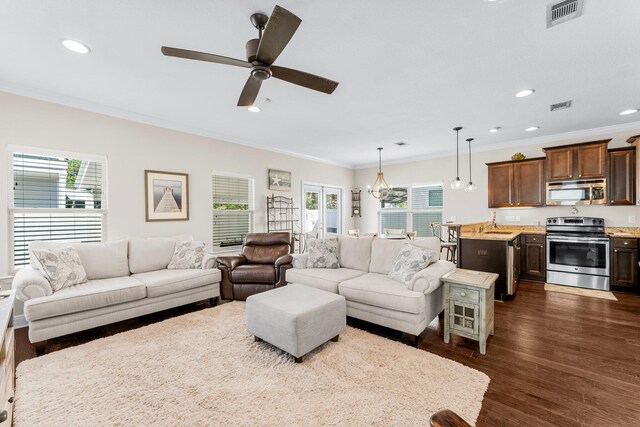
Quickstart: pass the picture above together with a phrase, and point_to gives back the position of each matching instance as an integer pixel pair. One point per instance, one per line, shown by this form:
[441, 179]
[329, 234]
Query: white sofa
[127, 278]
[371, 295]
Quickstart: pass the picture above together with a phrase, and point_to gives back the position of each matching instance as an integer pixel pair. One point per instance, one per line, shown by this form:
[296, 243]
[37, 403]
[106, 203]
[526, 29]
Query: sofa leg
[214, 301]
[40, 348]
[414, 339]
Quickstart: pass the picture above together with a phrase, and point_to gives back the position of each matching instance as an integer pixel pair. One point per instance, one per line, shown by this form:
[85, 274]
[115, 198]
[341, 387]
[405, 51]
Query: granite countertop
[509, 232]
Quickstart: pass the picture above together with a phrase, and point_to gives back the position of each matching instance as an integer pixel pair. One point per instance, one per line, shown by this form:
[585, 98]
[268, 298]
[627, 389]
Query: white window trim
[409, 209]
[12, 210]
[230, 250]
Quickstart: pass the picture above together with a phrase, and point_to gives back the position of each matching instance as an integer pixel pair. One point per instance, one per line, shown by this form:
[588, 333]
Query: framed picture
[166, 196]
[279, 180]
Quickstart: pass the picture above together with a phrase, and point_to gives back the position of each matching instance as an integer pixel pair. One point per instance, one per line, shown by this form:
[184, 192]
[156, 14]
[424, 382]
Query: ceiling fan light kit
[457, 184]
[380, 188]
[274, 33]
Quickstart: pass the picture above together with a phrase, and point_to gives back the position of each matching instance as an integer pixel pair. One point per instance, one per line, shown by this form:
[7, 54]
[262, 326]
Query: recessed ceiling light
[254, 109]
[495, 129]
[627, 112]
[532, 128]
[525, 92]
[75, 46]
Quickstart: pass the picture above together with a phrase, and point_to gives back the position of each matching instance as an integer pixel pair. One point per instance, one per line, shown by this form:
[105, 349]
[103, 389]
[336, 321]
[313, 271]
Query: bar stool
[450, 247]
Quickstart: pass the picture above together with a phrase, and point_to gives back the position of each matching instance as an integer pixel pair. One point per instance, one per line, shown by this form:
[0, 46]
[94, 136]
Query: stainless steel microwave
[592, 192]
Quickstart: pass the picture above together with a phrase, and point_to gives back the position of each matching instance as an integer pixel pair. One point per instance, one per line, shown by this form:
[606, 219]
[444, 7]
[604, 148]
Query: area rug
[204, 369]
[591, 293]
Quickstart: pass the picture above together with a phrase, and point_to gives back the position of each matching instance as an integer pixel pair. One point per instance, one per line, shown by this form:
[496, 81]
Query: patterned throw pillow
[323, 253]
[62, 266]
[187, 254]
[409, 261]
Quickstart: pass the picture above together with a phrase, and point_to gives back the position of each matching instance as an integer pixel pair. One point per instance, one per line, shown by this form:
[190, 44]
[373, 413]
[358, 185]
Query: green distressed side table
[468, 305]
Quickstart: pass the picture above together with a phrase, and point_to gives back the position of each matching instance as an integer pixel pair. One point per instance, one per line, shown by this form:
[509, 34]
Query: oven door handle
[576, 239]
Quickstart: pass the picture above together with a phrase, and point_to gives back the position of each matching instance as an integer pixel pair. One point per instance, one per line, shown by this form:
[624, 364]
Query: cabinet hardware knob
[10, 399]
[615, 250]
[4, 415]
[626, 243]
[612, 201]
[463, 294]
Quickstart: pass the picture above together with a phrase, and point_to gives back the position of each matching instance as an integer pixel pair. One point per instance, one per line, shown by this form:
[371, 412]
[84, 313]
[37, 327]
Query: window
[55, 197]
[232, 210]
[412, 208]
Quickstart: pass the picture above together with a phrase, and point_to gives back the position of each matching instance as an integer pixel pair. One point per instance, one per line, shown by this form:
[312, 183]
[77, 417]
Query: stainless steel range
[578, 252]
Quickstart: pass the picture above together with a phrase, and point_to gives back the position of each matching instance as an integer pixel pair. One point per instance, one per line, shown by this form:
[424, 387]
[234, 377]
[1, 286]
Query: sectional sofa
[371, 295]
[127, 278]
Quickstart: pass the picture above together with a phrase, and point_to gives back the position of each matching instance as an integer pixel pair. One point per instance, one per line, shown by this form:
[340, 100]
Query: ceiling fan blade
[307, 80]
[249, 92]
[281, 26]
[202, 56]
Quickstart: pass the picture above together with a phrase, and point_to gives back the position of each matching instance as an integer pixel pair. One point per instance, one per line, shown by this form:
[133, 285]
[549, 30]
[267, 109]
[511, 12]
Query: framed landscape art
[166, 196]
[279, 180]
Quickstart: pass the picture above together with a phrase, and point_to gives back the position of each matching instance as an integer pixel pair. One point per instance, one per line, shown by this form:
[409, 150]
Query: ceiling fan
[274, 33]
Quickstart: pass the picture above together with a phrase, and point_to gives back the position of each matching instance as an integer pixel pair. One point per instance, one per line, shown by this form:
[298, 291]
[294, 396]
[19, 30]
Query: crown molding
[82, 104]
[525, 142]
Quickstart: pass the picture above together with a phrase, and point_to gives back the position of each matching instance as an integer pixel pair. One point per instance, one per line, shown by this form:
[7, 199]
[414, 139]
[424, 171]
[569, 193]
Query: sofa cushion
[380, 291]
[100, 260]
[104, 260]
[163, 282]
[409, 261]
[384, 252]
[187, 254]
[86, 296]
[355, 252]
[326, 279]
[61, 266]
[153, 253]
[323, 253]
[254, 273]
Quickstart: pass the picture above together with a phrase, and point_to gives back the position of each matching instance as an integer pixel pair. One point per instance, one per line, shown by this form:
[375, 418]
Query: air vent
[563, 11]
[561, 106]
[401, 143]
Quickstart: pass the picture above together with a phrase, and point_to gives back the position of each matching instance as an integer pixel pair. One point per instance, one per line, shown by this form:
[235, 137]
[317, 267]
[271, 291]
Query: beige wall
[133, 147]
[472, 207]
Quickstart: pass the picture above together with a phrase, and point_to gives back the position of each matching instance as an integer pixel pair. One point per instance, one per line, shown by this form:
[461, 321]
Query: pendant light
[471, 186]
[380, 188]
[457, 184]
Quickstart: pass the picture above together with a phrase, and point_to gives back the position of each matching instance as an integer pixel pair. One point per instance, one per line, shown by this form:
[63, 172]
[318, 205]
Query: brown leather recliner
[261, 266]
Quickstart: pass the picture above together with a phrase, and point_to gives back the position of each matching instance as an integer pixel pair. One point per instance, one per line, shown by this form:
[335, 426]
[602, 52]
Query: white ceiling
[409, 70]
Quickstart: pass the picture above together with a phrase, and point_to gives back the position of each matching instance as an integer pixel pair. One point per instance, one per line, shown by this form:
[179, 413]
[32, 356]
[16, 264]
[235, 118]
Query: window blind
[55, 198]
[232, 210]
[412, 208]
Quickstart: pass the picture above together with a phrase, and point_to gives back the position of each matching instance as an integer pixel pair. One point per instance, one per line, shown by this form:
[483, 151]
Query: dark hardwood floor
[555, 359]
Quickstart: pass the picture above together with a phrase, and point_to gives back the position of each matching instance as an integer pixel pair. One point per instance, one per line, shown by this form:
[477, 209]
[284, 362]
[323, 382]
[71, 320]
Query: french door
[322, 212]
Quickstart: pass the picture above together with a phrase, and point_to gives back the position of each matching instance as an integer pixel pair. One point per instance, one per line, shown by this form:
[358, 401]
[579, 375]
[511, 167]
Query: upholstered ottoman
[296, 318]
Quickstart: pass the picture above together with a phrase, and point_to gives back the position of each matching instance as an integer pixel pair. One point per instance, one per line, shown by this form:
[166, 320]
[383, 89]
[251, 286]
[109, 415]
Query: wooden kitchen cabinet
[624, 265]
[534, 259]
[516, 183]
[576, 162]
[622, 176]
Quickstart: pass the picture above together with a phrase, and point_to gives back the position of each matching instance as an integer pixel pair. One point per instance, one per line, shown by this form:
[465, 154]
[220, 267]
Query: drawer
[534, 238]
[621, 243]
[464, 294]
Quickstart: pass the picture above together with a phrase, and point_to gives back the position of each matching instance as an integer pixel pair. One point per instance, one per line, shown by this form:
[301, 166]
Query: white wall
[472, 207]
[133, 147]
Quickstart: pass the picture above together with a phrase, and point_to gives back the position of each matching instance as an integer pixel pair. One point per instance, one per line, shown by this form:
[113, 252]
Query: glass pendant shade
[380, 188]
[457, 184]
[471, 187]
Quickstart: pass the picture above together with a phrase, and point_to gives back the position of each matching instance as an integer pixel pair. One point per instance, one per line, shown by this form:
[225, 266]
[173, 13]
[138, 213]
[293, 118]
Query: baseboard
[19, 322]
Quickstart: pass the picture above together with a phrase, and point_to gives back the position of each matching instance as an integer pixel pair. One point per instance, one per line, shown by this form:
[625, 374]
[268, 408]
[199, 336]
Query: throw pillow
[409, 261]
[62, 266]
[187, 254]
[323, 253]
